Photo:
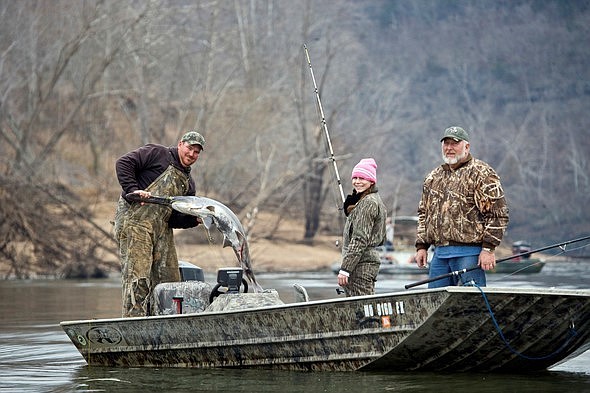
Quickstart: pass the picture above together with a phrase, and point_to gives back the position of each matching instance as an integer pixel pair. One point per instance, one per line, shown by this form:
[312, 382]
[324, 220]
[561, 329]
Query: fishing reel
[229, 280]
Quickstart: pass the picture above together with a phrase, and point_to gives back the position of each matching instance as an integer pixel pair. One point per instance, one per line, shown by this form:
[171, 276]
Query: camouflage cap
[194, 138]
[455, 133]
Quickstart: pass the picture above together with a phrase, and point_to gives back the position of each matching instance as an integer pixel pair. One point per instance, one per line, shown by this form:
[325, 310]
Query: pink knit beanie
[366, 169]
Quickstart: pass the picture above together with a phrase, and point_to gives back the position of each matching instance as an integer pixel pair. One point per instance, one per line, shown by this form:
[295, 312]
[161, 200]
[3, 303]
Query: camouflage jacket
[363, 231]
[462, 206]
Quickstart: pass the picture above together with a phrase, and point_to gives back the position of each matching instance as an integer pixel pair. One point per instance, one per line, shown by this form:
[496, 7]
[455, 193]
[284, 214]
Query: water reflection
[151, 380]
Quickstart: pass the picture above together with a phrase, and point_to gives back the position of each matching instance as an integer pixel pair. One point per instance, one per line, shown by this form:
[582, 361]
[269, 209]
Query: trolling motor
[229, 280]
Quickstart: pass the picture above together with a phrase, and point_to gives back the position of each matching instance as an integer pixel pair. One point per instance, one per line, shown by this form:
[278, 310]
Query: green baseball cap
[194, 138]
[455, 133]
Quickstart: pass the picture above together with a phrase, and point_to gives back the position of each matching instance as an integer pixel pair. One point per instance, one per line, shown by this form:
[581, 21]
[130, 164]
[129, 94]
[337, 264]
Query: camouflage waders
[362, 279]
[146, 243]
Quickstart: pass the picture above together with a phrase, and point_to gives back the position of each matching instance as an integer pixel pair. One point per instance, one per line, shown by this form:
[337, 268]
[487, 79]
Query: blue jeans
[440, 266]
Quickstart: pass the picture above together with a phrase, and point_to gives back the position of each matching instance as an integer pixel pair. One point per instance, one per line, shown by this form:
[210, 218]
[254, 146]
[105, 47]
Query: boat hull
[526, 266]
[448, 329]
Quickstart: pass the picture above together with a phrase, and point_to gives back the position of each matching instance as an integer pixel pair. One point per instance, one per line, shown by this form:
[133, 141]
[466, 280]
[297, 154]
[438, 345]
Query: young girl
[364, 230]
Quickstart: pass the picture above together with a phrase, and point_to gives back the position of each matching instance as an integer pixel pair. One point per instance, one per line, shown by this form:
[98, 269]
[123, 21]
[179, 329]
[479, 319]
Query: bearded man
[462, 213]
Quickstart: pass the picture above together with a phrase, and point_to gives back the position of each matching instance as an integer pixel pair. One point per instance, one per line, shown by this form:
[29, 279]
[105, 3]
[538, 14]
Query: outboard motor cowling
[190, 272]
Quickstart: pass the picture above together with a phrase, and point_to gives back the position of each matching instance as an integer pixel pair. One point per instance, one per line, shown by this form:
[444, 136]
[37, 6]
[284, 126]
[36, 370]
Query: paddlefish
[212, 212]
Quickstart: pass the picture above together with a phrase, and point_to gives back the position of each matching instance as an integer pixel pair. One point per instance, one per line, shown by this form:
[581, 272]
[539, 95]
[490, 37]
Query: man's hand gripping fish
[211, 212]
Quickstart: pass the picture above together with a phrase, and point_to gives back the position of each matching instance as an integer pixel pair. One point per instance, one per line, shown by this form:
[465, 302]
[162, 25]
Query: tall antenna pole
[324, 125]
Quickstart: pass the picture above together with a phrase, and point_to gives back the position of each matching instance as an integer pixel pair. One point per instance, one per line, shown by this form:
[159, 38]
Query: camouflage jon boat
[452, 329]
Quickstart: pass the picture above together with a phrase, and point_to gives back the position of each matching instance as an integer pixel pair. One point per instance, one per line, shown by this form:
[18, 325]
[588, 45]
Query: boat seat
[192, 295]
[240, 301]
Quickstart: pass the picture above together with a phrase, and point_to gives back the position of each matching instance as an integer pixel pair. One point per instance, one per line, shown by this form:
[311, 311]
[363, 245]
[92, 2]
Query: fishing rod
[524, 254]
[324, 125]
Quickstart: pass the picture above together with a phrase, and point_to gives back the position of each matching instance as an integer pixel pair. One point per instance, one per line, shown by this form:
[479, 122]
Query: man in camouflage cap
[455, 133]
[194, 138]
[144, 230]
[462, 213]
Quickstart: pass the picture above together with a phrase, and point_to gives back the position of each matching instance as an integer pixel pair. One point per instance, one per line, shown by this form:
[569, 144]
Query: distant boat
[527, 266]
[397, 257]
[394, 262]
[399, 262]
[520, 265]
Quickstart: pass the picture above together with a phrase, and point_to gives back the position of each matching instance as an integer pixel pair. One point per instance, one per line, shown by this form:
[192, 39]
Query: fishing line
[572, 332]
[549, 259]
[517, 271]
[562, 246]
[563, 249]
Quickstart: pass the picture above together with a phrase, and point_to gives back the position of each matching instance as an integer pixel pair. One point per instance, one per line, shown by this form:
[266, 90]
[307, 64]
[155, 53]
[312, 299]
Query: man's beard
[456, 159]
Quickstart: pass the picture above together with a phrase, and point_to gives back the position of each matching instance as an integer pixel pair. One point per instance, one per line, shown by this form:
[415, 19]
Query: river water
[37, 356]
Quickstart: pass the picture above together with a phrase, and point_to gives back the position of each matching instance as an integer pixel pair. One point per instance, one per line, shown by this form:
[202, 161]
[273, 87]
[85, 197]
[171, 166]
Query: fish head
[187, 206]
[212, 212]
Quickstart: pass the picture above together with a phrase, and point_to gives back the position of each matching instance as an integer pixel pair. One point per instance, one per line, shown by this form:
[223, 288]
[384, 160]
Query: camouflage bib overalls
[146, 243]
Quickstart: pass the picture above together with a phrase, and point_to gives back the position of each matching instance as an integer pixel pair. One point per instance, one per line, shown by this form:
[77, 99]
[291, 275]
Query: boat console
[194, 295]
[229, 281]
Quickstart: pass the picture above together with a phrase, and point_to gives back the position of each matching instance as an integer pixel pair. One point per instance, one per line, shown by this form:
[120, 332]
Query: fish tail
[252, 279]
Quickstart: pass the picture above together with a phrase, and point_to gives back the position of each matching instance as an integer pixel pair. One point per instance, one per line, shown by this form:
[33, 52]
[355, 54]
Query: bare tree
[83, 82]
[33, 135]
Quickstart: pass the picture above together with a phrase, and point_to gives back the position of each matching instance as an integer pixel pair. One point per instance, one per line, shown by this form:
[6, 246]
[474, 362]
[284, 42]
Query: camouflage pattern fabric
[195, 297]
[146, 244]
[466, 205]
[362, 279]
[122, 207]
[363, 231]
[241, 301]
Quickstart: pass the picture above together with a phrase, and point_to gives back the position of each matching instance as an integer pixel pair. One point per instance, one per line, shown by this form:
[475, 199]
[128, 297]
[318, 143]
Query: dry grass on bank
[283, 252]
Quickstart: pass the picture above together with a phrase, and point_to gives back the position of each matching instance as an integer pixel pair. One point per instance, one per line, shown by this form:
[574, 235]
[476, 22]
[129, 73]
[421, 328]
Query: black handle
[160, 200]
